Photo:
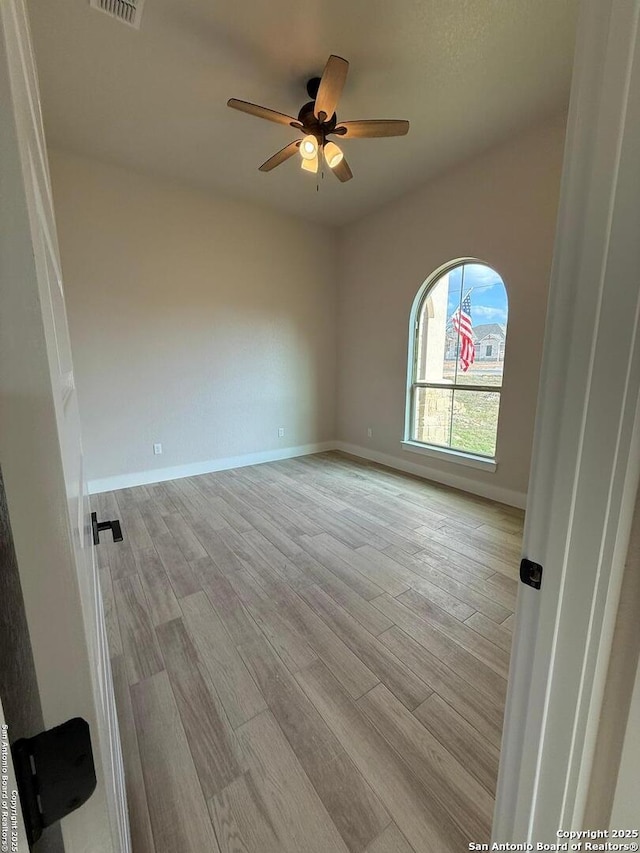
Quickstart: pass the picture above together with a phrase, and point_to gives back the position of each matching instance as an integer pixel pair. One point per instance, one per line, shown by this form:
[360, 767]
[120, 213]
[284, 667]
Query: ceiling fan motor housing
[311, 124]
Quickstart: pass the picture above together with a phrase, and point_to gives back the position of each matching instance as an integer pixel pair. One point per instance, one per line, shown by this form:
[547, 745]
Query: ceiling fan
[317, 120]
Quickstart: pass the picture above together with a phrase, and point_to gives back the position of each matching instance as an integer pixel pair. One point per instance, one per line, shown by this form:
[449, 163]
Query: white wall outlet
[280, 432]
[369, 432]
[157, 449]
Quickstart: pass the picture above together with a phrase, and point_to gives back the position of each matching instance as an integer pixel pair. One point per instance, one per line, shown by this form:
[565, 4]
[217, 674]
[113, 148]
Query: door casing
[586, 459]
[41, 452]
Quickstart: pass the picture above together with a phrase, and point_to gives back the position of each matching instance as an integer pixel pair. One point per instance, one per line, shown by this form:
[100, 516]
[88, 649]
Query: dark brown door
[18, 684]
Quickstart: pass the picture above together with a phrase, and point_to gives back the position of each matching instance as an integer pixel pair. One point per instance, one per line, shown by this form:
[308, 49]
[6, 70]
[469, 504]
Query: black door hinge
[531, 573]
[55, 774]
[98, 526]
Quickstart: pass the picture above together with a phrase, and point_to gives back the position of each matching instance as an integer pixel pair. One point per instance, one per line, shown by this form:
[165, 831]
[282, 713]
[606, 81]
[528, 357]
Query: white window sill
[447, 455]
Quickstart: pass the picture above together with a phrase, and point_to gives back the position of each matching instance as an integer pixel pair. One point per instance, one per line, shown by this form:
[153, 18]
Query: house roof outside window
[488, 329]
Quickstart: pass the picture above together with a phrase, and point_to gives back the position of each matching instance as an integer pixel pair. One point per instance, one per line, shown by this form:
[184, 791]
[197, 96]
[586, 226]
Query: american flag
[464, 327]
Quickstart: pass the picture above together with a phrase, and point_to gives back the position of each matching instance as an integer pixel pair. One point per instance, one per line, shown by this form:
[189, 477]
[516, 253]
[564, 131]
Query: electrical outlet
[369, 432]
[157, 449]
[280, 432]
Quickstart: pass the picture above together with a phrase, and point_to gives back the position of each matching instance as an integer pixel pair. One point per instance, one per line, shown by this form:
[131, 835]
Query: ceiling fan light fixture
[310, 165]
[317, 120]
[309, 148]
[332, 154]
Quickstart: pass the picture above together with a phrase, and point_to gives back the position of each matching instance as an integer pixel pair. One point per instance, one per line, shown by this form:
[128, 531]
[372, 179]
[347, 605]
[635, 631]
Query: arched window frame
[409, 443]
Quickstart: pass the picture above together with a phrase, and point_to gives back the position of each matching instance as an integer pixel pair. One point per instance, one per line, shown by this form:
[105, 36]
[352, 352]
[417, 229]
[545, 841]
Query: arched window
[456, 357]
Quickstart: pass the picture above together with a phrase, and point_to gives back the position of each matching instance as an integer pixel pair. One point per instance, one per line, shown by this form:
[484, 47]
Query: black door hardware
[531, 573]
[55, 774]
[98, 526]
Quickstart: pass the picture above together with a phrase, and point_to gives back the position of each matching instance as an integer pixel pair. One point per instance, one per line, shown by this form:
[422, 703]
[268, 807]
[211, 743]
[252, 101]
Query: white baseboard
[159, 475]
[485, 490]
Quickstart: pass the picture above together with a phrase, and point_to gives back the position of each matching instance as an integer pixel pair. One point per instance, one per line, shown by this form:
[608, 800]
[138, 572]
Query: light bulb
[309, 147]
[332, 154]
[310, 165]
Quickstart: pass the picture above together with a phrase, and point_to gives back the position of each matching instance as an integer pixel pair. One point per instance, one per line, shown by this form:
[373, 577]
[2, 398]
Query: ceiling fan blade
[331, 85]
[372, 128]
[263, 112]
[282, 155]
[342, 171]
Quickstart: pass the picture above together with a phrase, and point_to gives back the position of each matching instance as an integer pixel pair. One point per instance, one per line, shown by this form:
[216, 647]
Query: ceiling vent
[127, 11]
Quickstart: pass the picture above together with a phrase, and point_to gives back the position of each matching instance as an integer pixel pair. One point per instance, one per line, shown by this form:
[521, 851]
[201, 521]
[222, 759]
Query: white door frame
[41, 453]
[586, 460]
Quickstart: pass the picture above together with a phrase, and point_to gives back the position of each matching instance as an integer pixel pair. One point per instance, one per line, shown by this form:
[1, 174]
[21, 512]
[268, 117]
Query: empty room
[293, 339]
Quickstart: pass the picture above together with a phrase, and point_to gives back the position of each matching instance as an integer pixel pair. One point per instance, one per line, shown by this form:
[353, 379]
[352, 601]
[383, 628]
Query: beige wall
[500, 208]
[198, 322]
[205, 323]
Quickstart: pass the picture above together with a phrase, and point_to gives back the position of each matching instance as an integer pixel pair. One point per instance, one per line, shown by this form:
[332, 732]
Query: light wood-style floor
[309, 656]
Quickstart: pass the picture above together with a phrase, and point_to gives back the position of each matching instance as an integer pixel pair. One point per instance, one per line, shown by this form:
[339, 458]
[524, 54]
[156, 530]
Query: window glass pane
[475, 421]
[436, 353]
[460, 345]
[484, 301]
[432, 415]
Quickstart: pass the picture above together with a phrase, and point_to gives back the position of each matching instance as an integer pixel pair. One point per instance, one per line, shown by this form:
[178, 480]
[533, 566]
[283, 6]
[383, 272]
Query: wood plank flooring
[309, 655]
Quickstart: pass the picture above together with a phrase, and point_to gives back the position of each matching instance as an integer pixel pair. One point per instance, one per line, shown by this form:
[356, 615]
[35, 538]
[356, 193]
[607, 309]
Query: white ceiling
[466, 73]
